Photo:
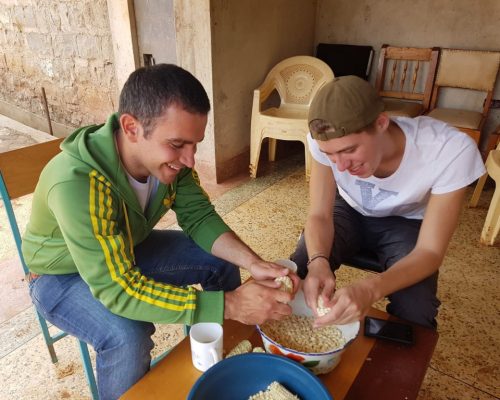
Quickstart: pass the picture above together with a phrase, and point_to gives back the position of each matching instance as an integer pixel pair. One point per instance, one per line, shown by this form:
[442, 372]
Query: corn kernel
[286, 283]
[241, 348]
[321, 309]
[296, 332]
[274, 391]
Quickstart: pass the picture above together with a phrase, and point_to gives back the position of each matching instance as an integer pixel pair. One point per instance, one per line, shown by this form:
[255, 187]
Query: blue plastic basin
[239, 377]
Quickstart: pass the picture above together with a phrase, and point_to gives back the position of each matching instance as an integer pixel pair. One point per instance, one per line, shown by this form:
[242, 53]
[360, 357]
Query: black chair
[346, 59]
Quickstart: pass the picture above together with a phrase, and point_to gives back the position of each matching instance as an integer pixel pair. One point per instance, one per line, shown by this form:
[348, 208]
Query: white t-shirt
[437, 159]
[144, 191]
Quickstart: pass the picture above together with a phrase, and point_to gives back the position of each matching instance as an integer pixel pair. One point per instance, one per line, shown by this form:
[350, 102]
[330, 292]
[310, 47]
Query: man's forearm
[415, 267]
[319, 236]
[230, 247]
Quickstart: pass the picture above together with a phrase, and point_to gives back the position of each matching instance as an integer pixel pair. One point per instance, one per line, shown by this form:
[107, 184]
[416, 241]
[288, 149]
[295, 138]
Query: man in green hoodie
[99, 270]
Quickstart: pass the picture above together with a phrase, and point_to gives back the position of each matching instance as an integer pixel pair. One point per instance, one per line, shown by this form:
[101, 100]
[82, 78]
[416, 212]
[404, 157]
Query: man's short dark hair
[149, 91]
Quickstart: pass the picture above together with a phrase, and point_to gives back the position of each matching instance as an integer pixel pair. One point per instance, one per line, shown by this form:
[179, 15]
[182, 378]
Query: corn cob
[286, 283]
[274, 391]
[321, 309]
[258, 350]
[241, 348]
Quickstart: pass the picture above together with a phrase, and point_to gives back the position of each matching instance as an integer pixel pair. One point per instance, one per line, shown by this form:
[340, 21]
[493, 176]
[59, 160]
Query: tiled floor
[268, 213]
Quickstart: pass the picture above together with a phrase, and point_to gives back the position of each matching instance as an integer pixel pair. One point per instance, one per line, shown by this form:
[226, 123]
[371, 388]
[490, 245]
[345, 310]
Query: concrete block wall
[63, 46]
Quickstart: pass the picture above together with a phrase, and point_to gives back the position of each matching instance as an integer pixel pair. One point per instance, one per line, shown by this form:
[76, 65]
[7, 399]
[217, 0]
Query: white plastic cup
[206, 344]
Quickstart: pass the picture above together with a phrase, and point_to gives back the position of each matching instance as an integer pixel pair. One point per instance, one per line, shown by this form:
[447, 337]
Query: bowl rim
[311, 354]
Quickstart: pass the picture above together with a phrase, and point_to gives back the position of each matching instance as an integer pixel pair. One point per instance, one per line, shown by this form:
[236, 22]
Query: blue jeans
[122, 345]
[391, 238]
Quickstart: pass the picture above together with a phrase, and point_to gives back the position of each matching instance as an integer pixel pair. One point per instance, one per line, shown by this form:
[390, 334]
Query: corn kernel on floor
[466, 362]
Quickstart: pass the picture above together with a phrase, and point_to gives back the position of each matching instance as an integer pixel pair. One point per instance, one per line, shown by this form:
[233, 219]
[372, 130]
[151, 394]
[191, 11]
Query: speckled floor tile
[271, 221]
[27, 372]
[15, 332]
[440, 386]
[14, 287]
[468, 318]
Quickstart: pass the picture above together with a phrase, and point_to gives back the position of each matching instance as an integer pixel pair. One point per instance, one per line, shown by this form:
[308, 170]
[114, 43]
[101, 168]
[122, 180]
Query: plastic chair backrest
[297, 79]
[407, 73]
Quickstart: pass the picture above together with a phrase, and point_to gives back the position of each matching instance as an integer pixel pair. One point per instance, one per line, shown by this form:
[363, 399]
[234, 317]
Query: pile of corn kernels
[296, 332]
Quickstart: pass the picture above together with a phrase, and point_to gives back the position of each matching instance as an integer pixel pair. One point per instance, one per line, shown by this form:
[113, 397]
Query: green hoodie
[79, 224]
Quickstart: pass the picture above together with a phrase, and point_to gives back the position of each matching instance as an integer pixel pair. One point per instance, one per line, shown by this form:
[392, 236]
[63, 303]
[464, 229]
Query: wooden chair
[491, 225]
[297, 80]
[19, 173]
[475, 71]
[405, 76]
[346, 59]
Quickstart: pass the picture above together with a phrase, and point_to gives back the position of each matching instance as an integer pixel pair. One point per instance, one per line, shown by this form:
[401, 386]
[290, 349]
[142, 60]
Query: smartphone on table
[389, 330]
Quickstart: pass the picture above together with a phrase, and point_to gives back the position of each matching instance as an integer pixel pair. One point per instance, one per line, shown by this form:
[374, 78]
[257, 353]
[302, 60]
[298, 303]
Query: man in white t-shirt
[396, 186]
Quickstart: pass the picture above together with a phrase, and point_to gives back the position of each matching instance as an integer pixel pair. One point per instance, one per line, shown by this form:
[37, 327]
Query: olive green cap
[348, 103]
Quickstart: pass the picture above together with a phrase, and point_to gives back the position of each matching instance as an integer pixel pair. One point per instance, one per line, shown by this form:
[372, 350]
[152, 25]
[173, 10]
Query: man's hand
[262, 270]
[349, 304]
[256, 302]
[320, 281]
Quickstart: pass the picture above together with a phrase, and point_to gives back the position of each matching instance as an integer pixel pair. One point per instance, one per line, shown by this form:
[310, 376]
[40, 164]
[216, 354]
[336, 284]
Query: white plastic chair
[491, 225]
[296, 79]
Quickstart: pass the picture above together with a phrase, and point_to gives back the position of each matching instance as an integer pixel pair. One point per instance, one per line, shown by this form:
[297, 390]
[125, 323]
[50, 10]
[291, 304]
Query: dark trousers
[391, 238]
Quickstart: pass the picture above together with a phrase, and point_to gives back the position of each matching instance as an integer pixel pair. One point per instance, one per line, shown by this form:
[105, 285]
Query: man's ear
[130, 127]
[382, 122]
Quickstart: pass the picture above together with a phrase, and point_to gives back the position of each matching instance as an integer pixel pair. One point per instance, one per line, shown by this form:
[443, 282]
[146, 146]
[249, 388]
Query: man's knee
[222, 275]
[231, 277]
[133, 335]
[417, 303]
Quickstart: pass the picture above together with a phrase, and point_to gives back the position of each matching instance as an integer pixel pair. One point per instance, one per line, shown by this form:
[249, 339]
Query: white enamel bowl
[318, 363]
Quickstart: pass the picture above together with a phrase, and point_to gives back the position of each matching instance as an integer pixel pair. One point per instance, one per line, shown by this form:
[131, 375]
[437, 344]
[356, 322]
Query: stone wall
[63, 46]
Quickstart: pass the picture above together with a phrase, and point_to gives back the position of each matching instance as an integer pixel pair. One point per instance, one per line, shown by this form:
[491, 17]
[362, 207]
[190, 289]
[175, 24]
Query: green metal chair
[19, 173]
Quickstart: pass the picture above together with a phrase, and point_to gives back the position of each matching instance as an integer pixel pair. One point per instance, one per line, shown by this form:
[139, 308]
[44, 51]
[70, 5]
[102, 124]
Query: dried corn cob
[286, 283]
[274, 391]
[241, 348]
[321, 309]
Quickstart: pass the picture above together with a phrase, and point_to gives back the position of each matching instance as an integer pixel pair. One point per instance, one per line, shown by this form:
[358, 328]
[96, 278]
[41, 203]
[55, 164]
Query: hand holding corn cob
[254, 302]
[322, 309]
[265, 271]
[286, 284]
